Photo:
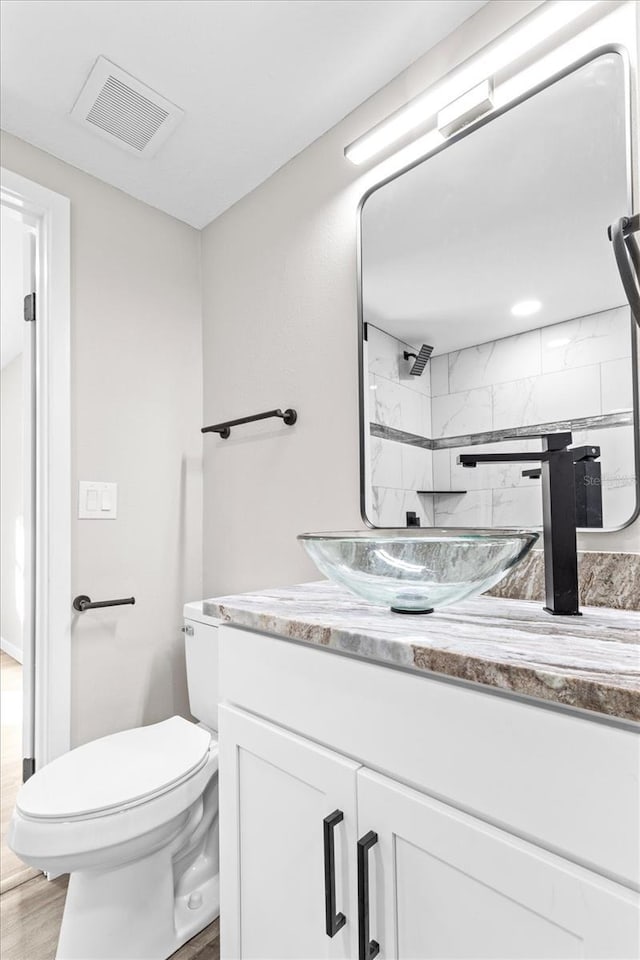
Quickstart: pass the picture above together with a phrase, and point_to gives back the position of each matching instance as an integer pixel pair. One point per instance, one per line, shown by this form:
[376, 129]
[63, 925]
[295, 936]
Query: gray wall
[136, 416]
[279, 316]
[11, 500]
[279, 299]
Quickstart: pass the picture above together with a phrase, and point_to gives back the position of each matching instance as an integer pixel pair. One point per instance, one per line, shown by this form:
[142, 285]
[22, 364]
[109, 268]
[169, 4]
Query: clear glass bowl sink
[420, 569]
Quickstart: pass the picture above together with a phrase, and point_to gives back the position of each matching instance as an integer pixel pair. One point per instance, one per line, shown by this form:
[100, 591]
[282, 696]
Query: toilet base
[147, 908]
[132, 913]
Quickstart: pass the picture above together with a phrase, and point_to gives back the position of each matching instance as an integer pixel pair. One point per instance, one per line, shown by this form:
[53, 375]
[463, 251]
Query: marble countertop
[591, 662]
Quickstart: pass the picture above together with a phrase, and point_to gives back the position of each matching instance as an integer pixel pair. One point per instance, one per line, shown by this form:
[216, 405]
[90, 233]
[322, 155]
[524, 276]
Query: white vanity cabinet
[440, 884]
[422, 859]
[278, 790]
[447, 885]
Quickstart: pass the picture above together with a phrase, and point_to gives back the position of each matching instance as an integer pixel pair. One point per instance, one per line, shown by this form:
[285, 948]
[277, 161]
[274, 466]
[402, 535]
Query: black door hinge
[30, 307]
[28, 768]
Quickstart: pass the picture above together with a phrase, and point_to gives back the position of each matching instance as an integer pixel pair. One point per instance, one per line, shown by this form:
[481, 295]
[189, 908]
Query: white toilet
[133, 817]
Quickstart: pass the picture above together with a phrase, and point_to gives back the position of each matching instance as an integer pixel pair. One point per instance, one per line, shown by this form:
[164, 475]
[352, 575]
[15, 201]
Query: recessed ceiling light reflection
[525, 308]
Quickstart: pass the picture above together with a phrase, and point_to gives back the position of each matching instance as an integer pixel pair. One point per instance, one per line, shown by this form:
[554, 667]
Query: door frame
[51, 523]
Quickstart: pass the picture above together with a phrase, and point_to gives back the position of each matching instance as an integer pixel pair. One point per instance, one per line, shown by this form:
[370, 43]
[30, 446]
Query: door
[45, 533]
[30, 472]
[288, 816]
[17, 518]
[443, 884]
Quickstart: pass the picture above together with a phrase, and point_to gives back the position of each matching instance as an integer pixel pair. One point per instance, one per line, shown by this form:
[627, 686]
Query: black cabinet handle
[333, 921]
[367, 949]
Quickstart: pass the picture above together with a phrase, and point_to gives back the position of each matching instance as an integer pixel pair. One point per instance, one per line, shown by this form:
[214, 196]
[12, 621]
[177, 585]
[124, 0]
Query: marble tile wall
[397, 399]
[569, 370]
[576, 369]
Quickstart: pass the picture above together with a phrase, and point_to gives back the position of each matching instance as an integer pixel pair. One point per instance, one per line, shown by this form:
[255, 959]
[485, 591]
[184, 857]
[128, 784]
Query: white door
[445, 885]
[47, 500]
[30, 473]
[287, 844]
[18, 523]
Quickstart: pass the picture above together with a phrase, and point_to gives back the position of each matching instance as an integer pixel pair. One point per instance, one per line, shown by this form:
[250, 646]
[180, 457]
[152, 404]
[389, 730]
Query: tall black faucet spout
[558, 515]
[559, 531]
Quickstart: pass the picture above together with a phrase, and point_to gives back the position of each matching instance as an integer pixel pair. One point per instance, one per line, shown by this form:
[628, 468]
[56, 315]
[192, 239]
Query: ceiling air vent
[125, 111]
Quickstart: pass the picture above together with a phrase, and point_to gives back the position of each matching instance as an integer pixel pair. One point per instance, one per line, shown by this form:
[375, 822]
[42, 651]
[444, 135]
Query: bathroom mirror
[491, 308]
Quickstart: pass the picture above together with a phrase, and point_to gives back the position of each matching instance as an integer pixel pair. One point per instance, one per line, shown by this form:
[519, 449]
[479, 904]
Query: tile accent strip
[600, 422]
[622, 418]
[401, 436]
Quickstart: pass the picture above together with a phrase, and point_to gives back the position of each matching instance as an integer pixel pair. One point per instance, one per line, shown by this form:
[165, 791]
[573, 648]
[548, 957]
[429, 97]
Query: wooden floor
[30, 916]
[12, 870]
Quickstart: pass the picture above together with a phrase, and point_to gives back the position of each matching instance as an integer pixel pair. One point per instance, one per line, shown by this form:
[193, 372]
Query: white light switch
[97, 500]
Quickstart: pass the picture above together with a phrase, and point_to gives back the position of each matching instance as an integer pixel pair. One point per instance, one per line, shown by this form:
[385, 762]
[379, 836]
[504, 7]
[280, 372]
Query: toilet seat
[116, 772]
[38, 836]
[133, 819]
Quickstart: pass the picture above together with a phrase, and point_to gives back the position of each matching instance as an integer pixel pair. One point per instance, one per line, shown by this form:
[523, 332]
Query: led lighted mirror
[491, 309]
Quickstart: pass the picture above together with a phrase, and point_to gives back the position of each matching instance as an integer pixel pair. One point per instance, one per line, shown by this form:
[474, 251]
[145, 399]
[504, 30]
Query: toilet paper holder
[83, 602]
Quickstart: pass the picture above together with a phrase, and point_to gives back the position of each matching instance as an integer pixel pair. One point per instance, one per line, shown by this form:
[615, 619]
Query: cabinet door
[445, 885]
[276, 790]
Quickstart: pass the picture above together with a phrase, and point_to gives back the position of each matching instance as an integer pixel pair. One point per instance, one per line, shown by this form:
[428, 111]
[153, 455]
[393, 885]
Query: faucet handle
[579, 454]
[585, 453]
[557, 441]
[554, 441]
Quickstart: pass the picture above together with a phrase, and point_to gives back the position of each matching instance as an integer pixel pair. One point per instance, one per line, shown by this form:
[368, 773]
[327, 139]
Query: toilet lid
[116, 770]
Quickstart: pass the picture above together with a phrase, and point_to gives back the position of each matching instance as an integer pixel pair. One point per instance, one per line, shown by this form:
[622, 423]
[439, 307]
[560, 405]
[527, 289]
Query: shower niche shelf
[440, 493]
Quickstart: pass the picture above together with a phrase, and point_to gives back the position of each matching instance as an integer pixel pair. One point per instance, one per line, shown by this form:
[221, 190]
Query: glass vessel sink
[418, 570]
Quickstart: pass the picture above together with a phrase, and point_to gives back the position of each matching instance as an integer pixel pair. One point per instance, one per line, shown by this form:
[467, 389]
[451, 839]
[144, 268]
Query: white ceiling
[258, 80]
[12, 283]
[518, 210]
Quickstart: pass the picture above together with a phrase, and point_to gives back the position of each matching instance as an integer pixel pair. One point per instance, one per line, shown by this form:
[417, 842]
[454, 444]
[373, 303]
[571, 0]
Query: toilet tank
[201, 653]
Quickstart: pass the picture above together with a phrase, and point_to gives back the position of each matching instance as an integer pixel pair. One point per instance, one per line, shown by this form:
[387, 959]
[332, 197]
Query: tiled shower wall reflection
[572, 370]
[397, 399]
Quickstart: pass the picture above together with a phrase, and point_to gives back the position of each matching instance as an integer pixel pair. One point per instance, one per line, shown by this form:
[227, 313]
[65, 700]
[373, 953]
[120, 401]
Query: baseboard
[17, 879]
[11, 649]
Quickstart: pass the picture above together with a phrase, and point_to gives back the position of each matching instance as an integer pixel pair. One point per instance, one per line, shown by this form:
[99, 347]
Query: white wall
[279, 313]
[136, 417]
[11, 512]
[279, 289]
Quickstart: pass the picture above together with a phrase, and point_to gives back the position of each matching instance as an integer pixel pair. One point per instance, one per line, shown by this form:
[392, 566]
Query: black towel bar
[224, 429]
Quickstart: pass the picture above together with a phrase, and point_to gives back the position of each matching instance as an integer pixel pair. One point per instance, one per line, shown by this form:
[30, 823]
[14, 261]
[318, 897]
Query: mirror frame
[574, 65]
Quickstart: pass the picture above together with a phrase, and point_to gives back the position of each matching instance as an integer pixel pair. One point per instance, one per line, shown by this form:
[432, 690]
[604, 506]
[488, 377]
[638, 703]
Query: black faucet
[558, 513]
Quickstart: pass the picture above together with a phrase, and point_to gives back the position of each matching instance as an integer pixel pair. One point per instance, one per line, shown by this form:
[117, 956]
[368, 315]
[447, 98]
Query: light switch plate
[97, 500]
